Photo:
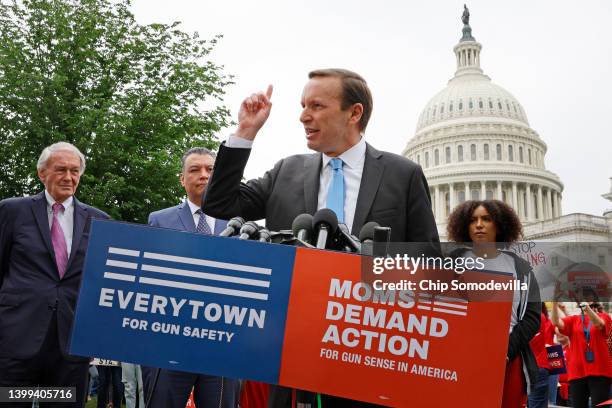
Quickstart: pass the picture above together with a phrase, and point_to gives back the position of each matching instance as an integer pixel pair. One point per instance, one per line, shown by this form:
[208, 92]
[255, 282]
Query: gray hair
[196, 150]
[57, 147]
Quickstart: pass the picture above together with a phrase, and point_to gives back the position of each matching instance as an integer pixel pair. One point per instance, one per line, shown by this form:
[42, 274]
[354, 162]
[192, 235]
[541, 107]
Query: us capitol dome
[473, 141]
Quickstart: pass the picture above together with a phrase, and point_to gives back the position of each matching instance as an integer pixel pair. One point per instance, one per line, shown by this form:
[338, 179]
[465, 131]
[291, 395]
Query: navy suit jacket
[180, 218]
[30, 287]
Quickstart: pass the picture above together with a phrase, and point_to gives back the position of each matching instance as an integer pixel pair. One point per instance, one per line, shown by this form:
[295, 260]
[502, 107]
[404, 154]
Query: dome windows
[499, 105]
[521, 154]
[529, 156]
[427, 158]
[436, 157]
[471, 104]
[441, 109]
[486, 151]
[473, 152]
[460, 104]
[460, 153]
[480, 104]
[510, 153]
[448, 154]
[490, 104]
[498, 151]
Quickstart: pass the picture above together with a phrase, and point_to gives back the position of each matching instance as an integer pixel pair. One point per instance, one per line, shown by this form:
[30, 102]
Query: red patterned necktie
[59, 241]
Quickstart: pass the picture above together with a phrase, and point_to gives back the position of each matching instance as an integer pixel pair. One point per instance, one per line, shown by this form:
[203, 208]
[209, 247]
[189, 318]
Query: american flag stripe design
[205, 275]
[446, 304]
[119, 276]
[205, 262]
[203, 288]
[172, 265]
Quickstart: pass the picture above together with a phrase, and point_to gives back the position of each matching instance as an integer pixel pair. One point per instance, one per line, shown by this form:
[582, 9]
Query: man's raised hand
[254, 112]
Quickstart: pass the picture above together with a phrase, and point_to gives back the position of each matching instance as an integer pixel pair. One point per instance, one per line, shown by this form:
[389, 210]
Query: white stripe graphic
[451, 305]
[121, 264]
[203, 288]
[204, 275]
[204, 262]
[119, 276]
[423, 307]
[454, 312]
[122, 251]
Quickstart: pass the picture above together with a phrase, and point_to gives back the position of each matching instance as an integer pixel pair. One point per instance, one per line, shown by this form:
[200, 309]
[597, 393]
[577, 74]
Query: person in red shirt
[539, 397]
[590, 366]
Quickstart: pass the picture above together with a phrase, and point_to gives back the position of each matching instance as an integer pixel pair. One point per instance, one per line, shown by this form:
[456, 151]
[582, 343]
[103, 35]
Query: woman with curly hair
[488, 228]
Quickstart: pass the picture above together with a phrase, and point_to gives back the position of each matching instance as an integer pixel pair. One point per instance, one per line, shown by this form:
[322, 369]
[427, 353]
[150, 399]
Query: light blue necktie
[335, 195]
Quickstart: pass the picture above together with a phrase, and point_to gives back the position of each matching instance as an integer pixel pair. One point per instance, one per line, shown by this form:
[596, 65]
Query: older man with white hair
[43, 240]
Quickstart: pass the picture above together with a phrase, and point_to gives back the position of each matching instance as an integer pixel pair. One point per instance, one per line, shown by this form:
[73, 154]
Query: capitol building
[473, 141]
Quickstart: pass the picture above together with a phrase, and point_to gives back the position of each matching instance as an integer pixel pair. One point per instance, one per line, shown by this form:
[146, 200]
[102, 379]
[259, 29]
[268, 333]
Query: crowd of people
[43, 241]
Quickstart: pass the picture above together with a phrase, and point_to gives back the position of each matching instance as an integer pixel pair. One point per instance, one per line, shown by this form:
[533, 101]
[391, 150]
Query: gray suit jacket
[393, 192]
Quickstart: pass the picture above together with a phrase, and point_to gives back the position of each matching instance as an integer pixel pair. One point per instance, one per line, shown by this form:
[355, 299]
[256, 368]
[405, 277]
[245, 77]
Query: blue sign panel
[180, 300]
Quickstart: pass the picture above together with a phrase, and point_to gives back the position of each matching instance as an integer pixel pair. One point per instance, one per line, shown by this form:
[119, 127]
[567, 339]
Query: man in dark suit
[358, 182]
[169, 388]
[43, 240]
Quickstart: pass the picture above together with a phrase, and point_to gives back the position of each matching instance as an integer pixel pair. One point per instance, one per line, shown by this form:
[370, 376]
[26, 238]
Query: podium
[297, 317]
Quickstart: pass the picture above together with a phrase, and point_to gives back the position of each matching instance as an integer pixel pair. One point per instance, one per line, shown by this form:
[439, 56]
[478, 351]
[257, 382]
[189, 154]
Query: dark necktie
[203, 227]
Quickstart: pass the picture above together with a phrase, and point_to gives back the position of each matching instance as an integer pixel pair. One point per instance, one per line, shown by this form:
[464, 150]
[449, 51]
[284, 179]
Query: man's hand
[254, 112]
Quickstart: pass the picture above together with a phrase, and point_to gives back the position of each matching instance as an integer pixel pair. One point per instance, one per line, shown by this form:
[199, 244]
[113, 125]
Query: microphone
[348, 242]
[366, 236]
[302, 227]
[249, 230]
[264, 235]
[233, 226]
[325, 223]
[382, 236]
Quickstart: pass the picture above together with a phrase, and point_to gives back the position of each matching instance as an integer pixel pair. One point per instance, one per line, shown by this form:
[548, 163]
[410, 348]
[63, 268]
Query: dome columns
[531, 201]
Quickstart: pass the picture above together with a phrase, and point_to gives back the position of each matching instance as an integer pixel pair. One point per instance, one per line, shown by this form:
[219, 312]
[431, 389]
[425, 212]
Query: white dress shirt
[353, 158]
[196, 216]
[65, 218]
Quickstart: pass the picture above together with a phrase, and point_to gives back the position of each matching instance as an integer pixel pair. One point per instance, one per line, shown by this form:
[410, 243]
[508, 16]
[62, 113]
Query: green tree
[132, 97]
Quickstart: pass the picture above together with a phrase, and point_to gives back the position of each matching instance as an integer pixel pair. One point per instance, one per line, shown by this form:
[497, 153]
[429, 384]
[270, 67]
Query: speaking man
[169, 388]
[43, 240]
[346, 174]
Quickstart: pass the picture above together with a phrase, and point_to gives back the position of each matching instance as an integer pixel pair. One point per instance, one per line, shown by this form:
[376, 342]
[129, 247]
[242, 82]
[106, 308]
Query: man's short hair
[59, 147]
[196, 150]
[354, 90]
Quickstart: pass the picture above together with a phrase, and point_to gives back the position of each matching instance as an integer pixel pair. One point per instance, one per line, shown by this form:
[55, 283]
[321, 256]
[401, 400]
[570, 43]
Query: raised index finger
[269, 91]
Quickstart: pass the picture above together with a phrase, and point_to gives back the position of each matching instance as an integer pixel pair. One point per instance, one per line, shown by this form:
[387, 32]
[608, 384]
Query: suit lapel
[80, 218]
[312, 171]
[373, 170]
[39, 208]
[186, 217]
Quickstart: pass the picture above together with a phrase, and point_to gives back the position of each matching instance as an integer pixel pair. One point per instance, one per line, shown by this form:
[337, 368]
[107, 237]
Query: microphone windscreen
[367, 231]
[236, 223]
[301, 222]
[249, 228]
[325, 216]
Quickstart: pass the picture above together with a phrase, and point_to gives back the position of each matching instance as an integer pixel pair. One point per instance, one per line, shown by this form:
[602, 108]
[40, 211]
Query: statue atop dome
[467, 30]
[465, 17]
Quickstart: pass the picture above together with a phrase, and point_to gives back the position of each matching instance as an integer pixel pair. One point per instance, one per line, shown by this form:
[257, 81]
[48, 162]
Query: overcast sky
[553, 56]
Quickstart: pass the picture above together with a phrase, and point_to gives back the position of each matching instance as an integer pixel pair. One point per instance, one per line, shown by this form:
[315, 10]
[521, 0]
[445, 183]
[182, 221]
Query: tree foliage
[132, 97]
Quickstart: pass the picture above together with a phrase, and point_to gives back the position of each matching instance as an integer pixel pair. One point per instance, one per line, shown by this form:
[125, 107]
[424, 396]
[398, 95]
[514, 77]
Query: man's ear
[182, 179]
[356, 113]
[41, 175]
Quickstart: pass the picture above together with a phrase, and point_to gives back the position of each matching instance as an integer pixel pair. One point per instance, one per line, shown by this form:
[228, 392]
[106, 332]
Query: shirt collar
[192, 207]
[50, 201]
[352, 156]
